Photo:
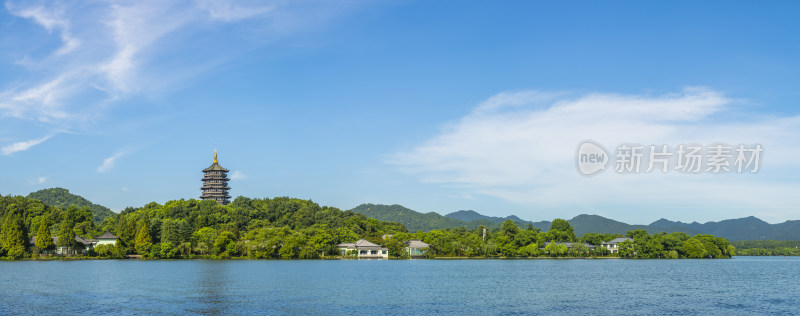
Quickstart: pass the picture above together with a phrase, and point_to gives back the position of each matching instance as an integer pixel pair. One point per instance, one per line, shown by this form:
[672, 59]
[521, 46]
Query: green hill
[411, 219]
[748, 228]
[597, 224]
[62, 198]
[474, 219]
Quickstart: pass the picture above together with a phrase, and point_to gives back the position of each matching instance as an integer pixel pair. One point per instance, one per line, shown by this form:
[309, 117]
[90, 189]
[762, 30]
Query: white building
[364, 249]
[106, 239]
[613, 245]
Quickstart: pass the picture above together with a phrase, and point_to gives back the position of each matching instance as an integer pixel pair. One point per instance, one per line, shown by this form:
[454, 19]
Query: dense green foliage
[44, 239]
[511, 241]
[767, 247]
[292, 228]
[62, 198]
[256, 228]
[13, 235]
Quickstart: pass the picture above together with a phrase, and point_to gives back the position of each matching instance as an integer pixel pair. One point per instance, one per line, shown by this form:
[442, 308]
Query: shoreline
[355, 259]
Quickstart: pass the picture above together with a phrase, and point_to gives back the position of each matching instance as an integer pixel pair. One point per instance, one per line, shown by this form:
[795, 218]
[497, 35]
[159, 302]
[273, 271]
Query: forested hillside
[411, 219]
[62, 197]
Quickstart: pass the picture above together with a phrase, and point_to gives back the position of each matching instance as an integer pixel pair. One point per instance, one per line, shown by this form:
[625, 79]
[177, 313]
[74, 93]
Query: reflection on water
[739, 286]
[211, 283]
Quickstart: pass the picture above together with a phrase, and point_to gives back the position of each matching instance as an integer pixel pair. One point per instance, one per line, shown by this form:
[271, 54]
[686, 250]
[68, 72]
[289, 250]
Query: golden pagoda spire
[215, 153]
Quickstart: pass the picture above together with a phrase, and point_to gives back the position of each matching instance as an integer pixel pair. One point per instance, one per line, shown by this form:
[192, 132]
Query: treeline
[292, 228]
[560, 241]
[256, 228]
[767, 247]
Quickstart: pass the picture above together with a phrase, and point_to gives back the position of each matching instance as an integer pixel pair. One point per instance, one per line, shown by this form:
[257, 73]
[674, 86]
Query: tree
[14, 237]
[601, 251]
[555, 249]
[509, 228]
[221, 244]
[578, 250]
[169, 232]
[639, 234]
[66, 234]
[562, 230]
[167, 250]
[531, 250]
[592, 238]
[627, 248]
[143, 240]
[44, 241]
[204, 238]
[694, 248]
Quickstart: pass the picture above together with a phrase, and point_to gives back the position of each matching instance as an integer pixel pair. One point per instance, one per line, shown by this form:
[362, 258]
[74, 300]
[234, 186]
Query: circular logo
[591, 158]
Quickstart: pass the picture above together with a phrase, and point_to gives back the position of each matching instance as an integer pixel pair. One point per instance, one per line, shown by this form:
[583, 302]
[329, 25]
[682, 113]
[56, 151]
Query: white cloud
[23, 146]
[111, 50]
[109, 162]
[238, 175]
[232, 10]
[51, 19]
[520, 147]
[41, 179]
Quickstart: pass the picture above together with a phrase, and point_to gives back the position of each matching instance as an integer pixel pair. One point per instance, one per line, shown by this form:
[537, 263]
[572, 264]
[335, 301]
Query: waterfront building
[364, 249]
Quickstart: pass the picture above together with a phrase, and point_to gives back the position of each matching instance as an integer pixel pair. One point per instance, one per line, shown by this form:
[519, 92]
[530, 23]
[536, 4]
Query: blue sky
[435, 105]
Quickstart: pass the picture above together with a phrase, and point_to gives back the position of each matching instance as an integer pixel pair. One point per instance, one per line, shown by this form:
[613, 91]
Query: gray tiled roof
[616, 240]
[215, 167]
[79, 239]
[416, 243]
[365, 243]
[107, 235]
[361, 244]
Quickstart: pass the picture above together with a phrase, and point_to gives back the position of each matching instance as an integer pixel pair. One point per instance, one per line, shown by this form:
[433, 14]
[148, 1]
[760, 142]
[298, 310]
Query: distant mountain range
[748, 228]
[62, 198]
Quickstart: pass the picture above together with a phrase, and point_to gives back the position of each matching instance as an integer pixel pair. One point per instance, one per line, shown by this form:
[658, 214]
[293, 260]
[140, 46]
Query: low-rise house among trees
[79, 247]
[106, 239]
[416, 248]
[363, 249]
[613, 245]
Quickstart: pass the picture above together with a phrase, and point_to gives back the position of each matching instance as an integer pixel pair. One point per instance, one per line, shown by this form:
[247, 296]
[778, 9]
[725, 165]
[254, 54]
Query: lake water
[738, 286]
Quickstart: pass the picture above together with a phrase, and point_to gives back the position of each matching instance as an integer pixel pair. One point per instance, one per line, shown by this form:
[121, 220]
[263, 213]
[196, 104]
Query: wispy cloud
[520, 147]
[232, 10]
[238, 175]
[23, 146]
[51, 19]
[109, 162]
[111, 50]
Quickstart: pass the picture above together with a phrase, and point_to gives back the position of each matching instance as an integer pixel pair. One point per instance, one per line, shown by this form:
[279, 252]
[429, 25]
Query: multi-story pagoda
[215, 183]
